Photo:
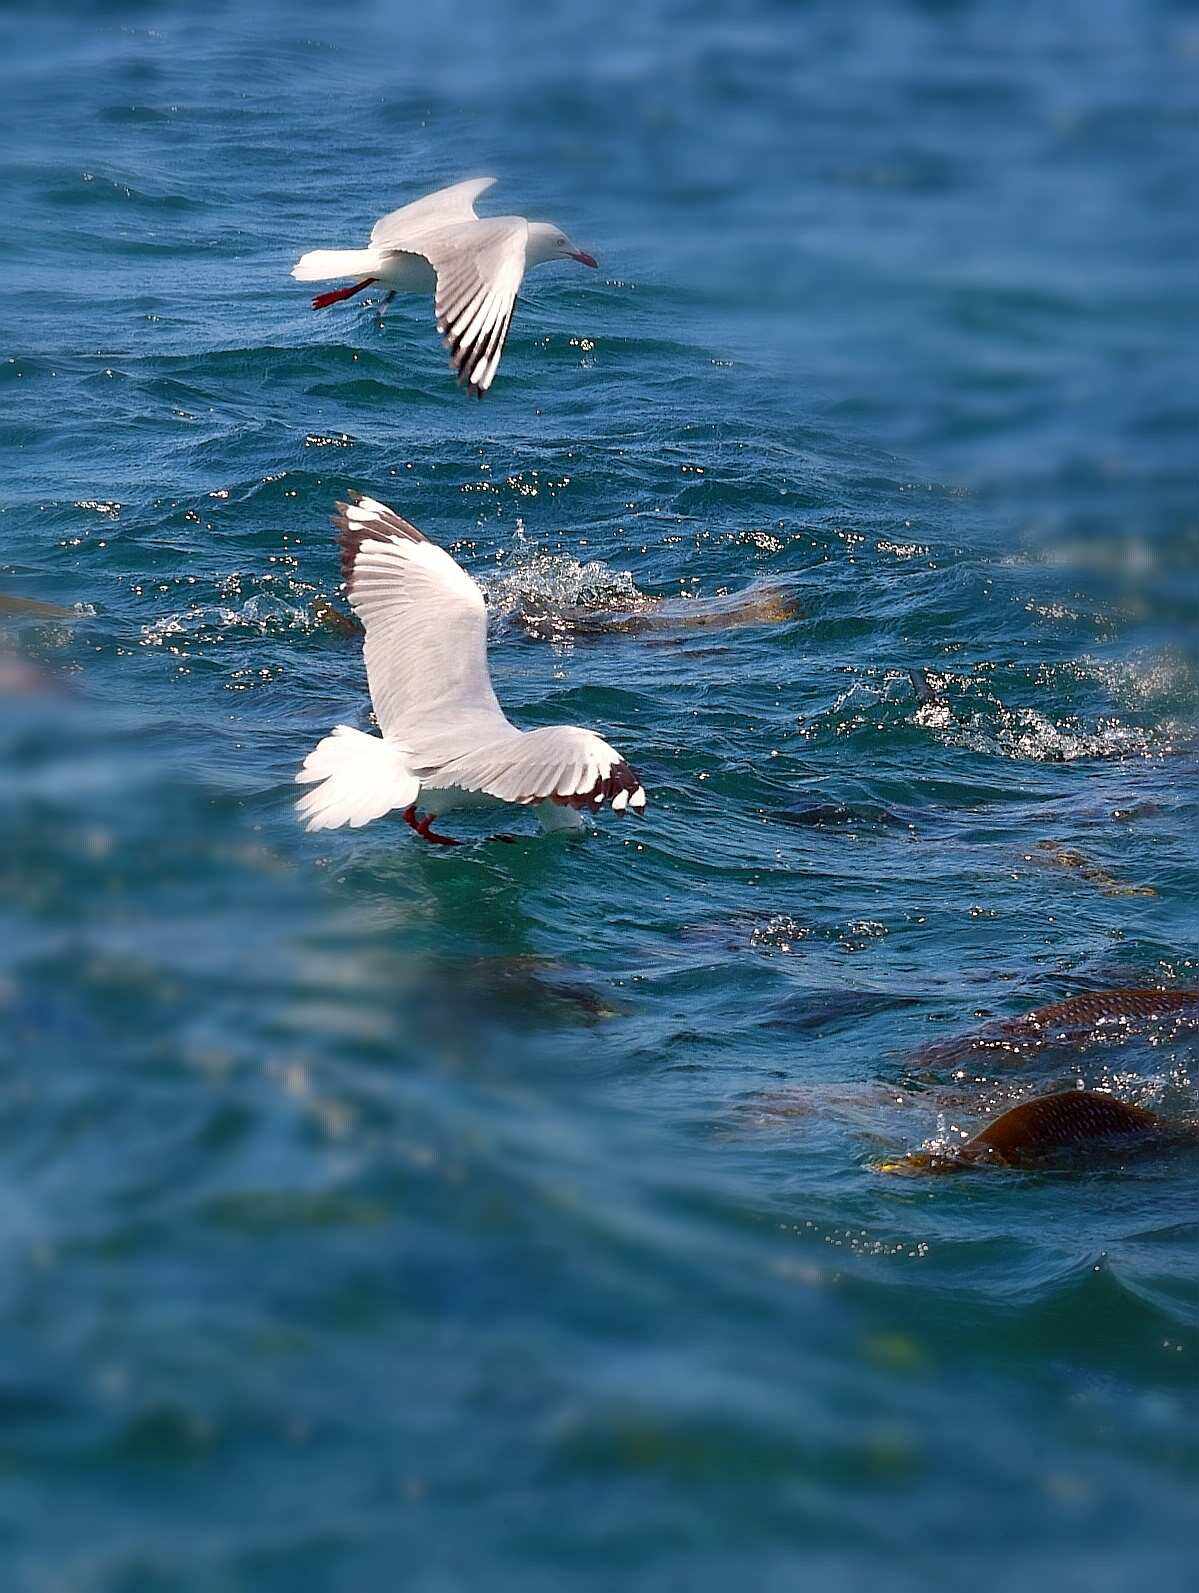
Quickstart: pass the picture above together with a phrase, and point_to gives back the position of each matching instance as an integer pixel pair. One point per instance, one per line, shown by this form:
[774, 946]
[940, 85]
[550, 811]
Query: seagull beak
[584, 258]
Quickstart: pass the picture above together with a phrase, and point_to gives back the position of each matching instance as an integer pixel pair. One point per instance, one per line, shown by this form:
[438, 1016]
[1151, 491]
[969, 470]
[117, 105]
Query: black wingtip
[620, 777]
[383, 525]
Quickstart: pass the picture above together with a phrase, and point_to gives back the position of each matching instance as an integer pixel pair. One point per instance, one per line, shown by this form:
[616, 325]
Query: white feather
[360, 778]
[320, 265]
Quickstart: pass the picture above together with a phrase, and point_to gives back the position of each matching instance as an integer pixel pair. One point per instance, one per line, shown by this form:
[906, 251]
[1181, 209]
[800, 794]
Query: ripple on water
[509, 1215]
[967, 712]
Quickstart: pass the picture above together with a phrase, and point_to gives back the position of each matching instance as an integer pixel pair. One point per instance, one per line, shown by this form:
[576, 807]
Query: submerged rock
[1077, 1021]
[1057, 854]
[544, 620]
[824, 815]
[1038, 1131]
[34, 608]
[1094, 1007]
[331, 618]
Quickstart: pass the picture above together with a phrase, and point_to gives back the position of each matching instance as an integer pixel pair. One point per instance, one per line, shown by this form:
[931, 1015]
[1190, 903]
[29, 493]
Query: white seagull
[472, 265]
[445, 738]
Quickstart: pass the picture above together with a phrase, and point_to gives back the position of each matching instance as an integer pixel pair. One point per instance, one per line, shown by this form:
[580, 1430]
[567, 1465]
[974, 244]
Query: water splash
[552, 593]
[966, 711]
[209, 624]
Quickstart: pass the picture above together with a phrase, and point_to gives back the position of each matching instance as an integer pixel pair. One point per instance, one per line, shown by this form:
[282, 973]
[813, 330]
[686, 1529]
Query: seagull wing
[403, 228]
[426, 664]
[426, 637]
[561, 763]
[479, 266]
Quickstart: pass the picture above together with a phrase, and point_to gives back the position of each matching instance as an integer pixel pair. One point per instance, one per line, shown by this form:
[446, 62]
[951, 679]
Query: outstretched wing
[561, 763]
[403, 228]
[426, 636]
[479, 266]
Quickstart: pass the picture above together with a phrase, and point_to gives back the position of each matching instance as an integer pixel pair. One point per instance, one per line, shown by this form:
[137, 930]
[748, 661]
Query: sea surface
[379, 1216]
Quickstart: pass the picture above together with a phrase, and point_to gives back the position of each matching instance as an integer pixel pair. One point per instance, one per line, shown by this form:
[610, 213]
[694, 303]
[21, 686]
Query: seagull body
[473, 267]
[445, 739]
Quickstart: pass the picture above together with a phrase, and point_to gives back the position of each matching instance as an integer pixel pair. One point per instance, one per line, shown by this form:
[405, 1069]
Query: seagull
[472, 265]
[445, 739]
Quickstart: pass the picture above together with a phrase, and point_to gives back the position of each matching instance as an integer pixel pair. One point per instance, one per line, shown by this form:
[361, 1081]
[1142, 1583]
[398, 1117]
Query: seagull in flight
[472, 265]
[446, 742]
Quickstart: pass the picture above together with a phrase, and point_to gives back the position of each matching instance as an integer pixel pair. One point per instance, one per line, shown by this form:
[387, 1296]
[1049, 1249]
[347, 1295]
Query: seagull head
[547, 242]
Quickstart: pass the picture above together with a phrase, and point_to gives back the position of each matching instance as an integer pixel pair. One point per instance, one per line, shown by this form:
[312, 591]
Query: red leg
[322, 300]
[421, 826]
[430, 835]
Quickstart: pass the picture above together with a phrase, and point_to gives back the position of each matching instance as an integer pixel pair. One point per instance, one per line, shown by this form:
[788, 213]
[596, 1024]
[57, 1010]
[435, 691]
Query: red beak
[584, 258]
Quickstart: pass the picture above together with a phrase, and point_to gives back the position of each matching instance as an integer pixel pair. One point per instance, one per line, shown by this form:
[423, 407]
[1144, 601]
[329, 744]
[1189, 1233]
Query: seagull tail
[355, 778]
[322, 264]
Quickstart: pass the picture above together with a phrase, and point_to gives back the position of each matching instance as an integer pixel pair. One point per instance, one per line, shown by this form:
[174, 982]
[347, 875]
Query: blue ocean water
[507, 1217]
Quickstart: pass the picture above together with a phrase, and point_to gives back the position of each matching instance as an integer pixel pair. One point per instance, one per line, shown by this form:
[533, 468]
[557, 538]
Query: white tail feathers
[361, 778]
[321, 264]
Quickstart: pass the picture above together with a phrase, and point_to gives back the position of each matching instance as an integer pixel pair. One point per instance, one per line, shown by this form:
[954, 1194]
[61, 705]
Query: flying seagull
[445, 739]
[473, 266]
